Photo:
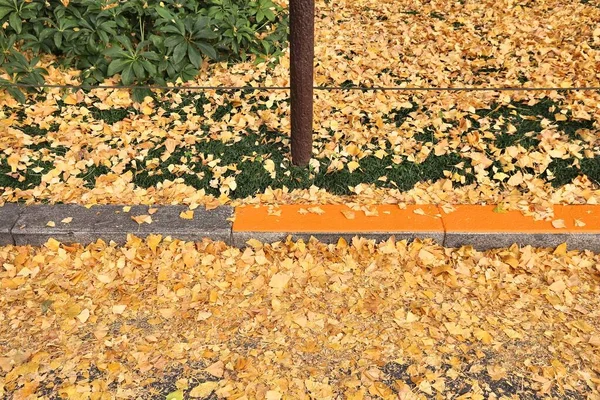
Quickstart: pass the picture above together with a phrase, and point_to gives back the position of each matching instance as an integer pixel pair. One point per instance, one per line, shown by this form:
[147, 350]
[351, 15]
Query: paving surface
[162, 319]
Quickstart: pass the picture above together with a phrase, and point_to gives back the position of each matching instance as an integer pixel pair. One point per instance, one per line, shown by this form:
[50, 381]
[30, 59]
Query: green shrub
[145, 41]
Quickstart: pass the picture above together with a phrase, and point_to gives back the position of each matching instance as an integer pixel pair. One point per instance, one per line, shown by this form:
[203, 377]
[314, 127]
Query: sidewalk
[165, 319]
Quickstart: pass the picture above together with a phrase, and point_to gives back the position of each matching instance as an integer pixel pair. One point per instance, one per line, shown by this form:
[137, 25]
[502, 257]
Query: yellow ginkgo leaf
[269, 165]
[71, 99]
[204, 389]
[516, 179]
[352, 166]
[188, 214]
[153, 241]
[500, 209]
[118, 308]
[349, 214]
[140, 219]
[274, 212]
[483, 336]
[560, 250]
[147, 110]
[84, 315]
[560, 117]
[279, 280]
[316, 210]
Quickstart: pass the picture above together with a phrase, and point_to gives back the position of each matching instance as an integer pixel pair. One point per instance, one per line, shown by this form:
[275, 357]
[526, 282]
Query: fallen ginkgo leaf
[140, 219]
[203, 315]
[352, 166]
[500, 209]
[279, 280]
[119, 308]
[558, 287]
[349, 214]
[188, 214]
[84, 315]
[204, 389]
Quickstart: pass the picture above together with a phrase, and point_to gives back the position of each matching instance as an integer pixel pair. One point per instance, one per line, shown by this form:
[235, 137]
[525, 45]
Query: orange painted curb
[589, 215]
[414, 218]
[337, 218]
[481, 219]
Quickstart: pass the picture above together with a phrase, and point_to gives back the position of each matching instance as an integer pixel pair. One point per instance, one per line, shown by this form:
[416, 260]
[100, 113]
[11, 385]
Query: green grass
[28, 178]
[112, 115]
[437, 15]
[253, 178]
[564, 172]
[249, 153]
[527, 129]
[36, 131]
[398, 116]
[591, 168]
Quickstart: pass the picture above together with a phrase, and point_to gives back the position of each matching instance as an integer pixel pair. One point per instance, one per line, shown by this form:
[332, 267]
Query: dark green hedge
[147, 42]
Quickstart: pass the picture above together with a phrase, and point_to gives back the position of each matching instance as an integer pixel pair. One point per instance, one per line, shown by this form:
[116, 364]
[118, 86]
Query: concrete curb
[478, 226]
[9, 214]
[328, 223]
[33, 224]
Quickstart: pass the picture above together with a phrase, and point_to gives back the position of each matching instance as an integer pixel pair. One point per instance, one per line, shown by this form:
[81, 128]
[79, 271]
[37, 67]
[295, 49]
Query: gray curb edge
[23, 225]
[28, 225]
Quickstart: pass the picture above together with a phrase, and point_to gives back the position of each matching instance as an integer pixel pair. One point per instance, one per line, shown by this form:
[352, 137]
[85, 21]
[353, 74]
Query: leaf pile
[161, 318]
[521, 148]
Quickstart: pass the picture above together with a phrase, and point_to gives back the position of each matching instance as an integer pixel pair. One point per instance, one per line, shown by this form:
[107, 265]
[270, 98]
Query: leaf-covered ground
[521, 148]
[165, 319]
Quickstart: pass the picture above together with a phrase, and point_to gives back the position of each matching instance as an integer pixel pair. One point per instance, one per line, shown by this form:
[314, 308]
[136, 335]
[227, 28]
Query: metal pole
[302, 49]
